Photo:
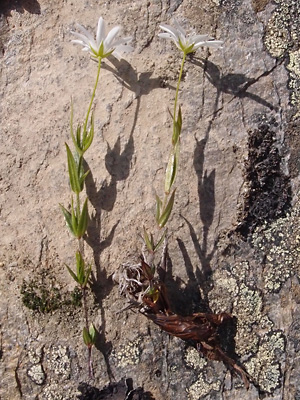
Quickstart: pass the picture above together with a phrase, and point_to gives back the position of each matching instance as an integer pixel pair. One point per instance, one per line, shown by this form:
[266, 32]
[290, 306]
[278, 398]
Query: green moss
[42, 296]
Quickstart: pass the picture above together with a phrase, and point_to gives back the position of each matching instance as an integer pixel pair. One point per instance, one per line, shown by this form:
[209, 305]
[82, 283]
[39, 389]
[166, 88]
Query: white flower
[187, 43]
[104, 45]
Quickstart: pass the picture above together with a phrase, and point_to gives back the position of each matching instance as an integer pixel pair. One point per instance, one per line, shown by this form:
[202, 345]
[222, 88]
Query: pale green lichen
[202, 388]
[248, 305]
[264, 366]
[35, 371]
[226, 284]
[281, 38]
[129, 354]
[248, 310]
[54, 391]
[280, 244]
[59, 361]
[294, 68]
[36, 374]
[193, 359]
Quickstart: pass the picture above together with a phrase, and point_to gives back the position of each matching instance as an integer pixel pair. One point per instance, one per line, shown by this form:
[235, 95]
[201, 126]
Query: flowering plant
[105, 44]
[77, 217]
[187, 44]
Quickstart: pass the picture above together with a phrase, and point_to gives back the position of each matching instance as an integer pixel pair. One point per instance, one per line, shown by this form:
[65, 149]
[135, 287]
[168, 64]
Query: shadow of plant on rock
[236, 84]
[122, 390]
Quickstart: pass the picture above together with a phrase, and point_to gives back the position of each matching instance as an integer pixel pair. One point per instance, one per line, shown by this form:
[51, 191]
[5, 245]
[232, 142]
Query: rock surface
[234, 233]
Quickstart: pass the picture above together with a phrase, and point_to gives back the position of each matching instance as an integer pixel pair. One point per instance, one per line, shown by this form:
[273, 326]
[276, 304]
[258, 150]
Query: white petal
[79, 42]
[214, 43]
[172, 31]
[82, 37]
[100, 31]
[122, 48]
[121, 41]
[165, 36]
[111, 35]
[201, 38]
[179, 28]
[85, 32]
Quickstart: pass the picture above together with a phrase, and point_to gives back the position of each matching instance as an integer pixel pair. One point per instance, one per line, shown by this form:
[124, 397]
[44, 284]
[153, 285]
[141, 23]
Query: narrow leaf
[82, 178]
[160, 240]
[167, 211]
[73, 172]
[147, 271]
[172, 167]
[177, 128]
[68, 218]
[74, 219]
[93, 333]
[72, 274]
[158, 208]
[86, 337]
[89, 138]
[83, 220]
[76, 140]
[147, 241]
[80, 268]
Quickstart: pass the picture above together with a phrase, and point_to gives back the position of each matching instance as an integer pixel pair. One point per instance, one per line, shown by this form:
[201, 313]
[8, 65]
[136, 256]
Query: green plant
[77, 216]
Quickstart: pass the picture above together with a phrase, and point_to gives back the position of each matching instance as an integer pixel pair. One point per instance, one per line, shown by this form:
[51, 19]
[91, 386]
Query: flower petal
[104, 45]
[165, 36]
[85, 32]
[100, 36]
[83, 38]
[180, 28]
[172, 31]
[111, 35]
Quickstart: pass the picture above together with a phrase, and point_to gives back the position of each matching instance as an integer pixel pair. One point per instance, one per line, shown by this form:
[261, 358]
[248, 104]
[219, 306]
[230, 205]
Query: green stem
[174, 115]
[93, 96]
[177, 90]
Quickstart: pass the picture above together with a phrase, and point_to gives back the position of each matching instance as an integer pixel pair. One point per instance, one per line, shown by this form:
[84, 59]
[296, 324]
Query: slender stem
[85, 308]
[93, 96]
[90, 362]
[177, 90]
[174, 115]
[86, 317]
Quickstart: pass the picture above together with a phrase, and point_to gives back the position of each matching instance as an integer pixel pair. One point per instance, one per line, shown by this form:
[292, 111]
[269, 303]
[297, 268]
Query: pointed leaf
[147, 241]
[83, 220]
[86, 337]
[147, 270]
[89, 138]
[160, 240]
[158, 208]
[82, 178]
[73, 171]
[93, 333]
[72, 273]
[74, 219]
[167, 211]
[172, 167]
[177, 124]
[68, 218]
[80, 268]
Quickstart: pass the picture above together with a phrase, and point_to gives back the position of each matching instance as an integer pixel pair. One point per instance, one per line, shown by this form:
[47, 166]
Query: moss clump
[42, 296]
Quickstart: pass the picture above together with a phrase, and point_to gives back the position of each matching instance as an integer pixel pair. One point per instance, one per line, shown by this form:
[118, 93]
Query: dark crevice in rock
[122, 390]
[31, 6]
[269, 189]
